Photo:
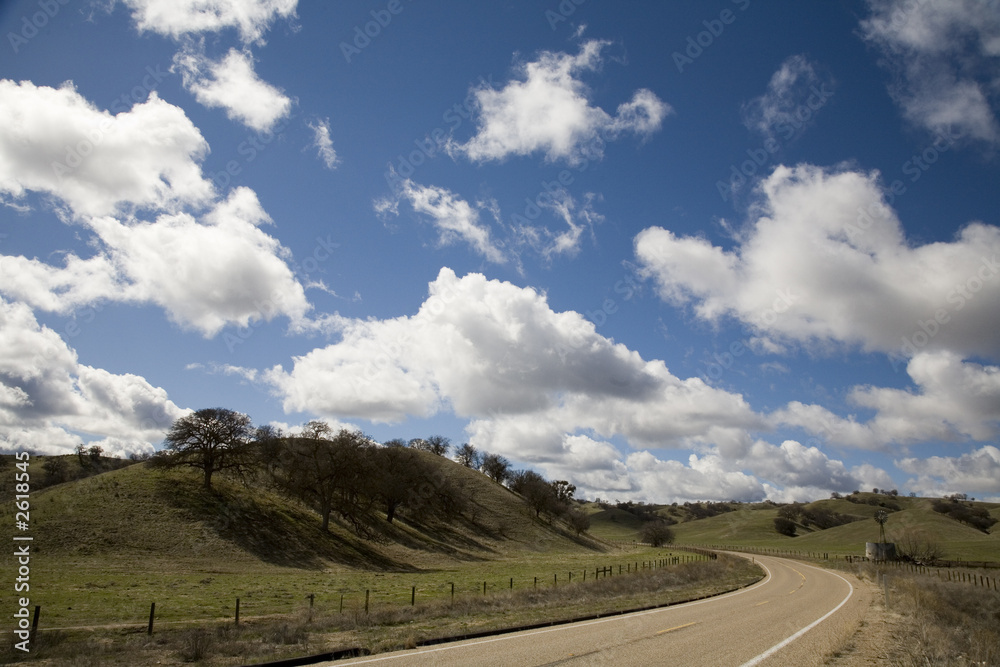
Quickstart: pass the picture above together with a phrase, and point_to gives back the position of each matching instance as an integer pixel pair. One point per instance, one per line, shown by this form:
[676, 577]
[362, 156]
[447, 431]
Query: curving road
[793, 616]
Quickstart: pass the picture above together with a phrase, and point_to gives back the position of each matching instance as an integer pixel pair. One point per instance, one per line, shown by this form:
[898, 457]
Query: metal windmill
[881, 517]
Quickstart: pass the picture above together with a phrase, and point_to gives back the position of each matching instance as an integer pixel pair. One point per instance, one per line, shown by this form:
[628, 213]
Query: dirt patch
[875, 639]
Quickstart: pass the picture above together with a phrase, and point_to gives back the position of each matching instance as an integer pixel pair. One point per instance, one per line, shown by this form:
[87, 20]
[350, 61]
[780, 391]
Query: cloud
[47, 398]
[453, 217]
[548, 110]
[578, 217]
[458, 221]
[824, 260]
[206, 273]
[545, 389]
[496, 352]
[794, 93]
[323, 143]
[946, 57]
[954, 401]
[977, 472]
[233, 85]
[55, 141]
[176, 18]
[206, 270]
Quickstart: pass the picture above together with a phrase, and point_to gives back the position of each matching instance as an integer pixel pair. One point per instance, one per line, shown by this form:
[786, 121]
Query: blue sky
[667, 251]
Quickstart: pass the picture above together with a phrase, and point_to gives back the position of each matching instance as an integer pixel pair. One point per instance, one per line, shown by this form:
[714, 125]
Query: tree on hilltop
[211, 439]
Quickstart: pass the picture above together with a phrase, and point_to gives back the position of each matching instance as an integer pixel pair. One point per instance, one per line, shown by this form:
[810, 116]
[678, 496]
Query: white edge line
[780, 645]
[565, 626]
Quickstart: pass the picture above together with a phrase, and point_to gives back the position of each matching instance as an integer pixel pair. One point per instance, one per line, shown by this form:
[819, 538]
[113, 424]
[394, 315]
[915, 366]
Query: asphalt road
[792, 617]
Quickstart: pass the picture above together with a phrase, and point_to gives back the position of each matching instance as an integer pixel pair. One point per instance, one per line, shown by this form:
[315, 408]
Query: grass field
[752, 525]
[108, 545]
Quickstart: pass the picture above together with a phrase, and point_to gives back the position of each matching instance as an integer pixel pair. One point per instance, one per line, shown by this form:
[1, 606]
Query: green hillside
[139, 511]
[752, 524]
[106, 546]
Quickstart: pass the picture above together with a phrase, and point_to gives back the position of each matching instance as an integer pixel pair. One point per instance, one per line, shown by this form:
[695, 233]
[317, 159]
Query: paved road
[792, 617]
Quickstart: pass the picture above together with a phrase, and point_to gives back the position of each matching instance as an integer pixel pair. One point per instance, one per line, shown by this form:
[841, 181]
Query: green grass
[107, 546]
[753, 526]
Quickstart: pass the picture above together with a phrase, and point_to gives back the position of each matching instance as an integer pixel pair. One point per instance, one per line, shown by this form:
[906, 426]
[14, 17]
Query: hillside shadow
[275, 532]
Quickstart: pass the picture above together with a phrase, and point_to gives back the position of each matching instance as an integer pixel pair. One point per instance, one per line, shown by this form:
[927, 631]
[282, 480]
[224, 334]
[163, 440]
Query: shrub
[656, 533]
[784, 526]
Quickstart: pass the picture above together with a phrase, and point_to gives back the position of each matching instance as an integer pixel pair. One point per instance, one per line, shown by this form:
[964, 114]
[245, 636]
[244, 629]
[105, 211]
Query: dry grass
[946, 623]
[387, 628]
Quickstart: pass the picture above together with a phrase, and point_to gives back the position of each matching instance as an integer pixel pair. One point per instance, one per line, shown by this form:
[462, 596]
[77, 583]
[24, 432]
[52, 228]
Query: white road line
[777, 647]
[410, 654]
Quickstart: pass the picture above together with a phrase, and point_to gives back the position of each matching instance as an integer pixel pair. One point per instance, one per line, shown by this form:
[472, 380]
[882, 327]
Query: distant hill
[137, 511]
[752, 524]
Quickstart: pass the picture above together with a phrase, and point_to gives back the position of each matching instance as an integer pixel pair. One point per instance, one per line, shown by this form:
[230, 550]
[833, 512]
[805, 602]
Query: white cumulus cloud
[54, 141]
[547, 110]
[824, 260]
[233, 85]
[48, 398]
[176, 18]
[946, 59]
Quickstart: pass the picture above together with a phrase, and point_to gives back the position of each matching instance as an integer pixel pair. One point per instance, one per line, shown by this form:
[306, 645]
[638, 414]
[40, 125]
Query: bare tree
[211, 439]
[436, 444]
[496, 467]
[331, 474]
[468, 456]
[578, 520]
[918, 546]
[317, 429]
[539, 494]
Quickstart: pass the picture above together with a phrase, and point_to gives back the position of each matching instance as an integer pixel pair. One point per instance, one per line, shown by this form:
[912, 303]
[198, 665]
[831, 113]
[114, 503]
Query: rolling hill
[752, 524]
[137, 511]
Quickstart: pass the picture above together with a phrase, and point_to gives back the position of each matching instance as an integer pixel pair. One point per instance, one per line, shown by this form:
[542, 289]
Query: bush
[197, 644]
[656, 534]
[784, 526]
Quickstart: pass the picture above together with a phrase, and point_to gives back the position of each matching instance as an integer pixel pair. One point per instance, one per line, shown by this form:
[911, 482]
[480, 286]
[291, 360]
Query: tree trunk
[390, 511]
[208, 478]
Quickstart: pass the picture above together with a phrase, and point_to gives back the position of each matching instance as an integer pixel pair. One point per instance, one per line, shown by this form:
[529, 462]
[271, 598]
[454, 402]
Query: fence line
[367, 600]
[947, 573]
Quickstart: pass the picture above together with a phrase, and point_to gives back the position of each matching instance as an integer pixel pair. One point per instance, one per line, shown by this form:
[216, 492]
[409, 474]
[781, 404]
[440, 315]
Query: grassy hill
[107, 545]
[137, 511]
[752, 524]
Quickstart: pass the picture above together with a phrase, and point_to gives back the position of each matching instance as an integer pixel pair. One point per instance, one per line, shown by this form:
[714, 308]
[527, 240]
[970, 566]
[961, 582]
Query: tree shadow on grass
[275, 531]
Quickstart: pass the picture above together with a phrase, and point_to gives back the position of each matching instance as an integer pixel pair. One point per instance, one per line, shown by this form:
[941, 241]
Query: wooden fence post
[367, 591]
[152, 611]
[413, 595]
[237, 611]
[34, 622]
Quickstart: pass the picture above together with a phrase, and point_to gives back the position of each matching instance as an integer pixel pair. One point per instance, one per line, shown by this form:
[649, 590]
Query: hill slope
[142, 512]
[753, 525]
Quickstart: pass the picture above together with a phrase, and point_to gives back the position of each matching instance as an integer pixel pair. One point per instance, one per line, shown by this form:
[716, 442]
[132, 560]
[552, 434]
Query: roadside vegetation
[302, 528]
